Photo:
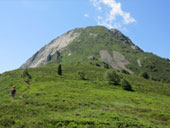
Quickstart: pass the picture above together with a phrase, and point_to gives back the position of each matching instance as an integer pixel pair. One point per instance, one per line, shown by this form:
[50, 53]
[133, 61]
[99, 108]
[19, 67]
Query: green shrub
[124, 71]
[26, 76]
[145, 75]
[106, 66]
[81, 75]
[126, 85]
[112, 77]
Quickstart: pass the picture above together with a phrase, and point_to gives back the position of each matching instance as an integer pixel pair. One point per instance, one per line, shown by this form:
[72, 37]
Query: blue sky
[27, 25]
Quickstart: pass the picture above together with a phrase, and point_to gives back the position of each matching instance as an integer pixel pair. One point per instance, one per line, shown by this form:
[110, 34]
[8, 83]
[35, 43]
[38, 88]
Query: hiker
[13, 91]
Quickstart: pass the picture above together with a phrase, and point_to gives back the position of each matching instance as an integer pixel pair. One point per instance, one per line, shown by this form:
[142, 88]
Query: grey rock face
[124, 39]
[117, 60]
[139, 63]
[45, 53]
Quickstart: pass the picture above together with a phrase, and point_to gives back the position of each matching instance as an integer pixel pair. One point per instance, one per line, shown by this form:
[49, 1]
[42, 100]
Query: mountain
[45, 99]
[100, 46]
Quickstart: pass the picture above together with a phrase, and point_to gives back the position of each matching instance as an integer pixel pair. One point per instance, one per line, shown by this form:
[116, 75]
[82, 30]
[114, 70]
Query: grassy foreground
[65, 101]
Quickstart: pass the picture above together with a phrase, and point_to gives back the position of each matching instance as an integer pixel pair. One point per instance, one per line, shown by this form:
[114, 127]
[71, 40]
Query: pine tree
[59, 70]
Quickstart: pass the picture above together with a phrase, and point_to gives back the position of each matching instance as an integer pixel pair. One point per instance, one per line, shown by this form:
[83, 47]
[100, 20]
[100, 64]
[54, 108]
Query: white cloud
[86, 15]
[111, 18]
[99, 8]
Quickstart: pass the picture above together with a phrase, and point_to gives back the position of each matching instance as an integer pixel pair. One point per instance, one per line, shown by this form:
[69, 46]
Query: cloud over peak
[114, 16]
[86, 15]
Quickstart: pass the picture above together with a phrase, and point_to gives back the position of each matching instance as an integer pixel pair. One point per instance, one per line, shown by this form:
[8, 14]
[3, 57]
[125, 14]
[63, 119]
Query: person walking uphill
[13, 92]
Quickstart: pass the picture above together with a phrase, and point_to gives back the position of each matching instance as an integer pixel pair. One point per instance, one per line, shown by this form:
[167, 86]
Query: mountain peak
[56, 46]
[99, 46]
[44, 54]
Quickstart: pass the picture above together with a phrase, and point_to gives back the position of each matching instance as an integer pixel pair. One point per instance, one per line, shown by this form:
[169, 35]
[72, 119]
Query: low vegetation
[81, 75]
[54, 101]
[112, 77]
[145, 75]
[126, 85]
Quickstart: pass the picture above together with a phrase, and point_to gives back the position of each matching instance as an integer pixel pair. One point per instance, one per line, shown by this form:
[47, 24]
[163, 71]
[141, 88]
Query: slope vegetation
[54, 101]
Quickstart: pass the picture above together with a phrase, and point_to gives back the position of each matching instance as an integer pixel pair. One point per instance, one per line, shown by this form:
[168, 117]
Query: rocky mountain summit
[99, 46]
[44, 55]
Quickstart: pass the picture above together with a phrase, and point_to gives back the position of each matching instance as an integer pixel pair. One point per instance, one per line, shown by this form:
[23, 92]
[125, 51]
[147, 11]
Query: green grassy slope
[66, 101]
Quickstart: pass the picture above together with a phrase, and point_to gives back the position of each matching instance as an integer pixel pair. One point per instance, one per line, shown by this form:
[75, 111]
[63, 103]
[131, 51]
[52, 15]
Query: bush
[124, 71]
[112, 77]
[126, 85]
[145, 75]
[106, 66]
[81, 75]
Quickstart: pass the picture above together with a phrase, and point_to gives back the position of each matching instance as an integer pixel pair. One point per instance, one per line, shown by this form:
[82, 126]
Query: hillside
[102, 47]
[54, 101]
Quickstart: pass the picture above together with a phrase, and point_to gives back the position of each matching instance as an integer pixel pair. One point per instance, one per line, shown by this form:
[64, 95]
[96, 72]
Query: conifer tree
[59, 70]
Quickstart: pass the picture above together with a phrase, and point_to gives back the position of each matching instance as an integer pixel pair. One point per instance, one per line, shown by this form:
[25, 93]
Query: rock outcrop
[116, 60]
[55, 46]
